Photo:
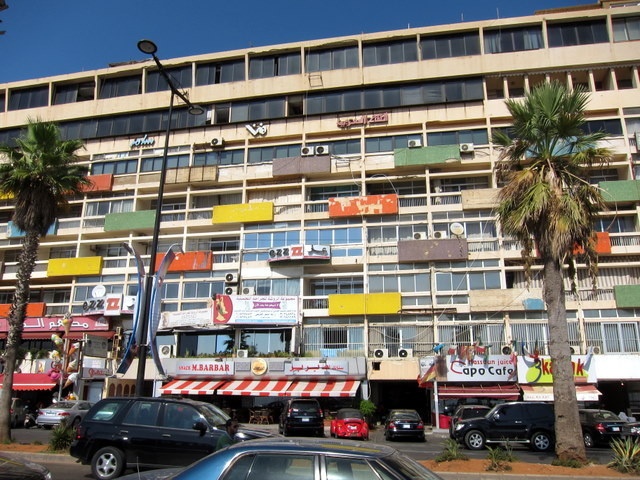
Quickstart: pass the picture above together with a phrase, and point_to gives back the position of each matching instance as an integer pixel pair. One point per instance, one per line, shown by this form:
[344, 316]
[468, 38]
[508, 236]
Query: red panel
[99, 183]
[33, 309]
[30, 381]
[506, 392]
[603, 244]
[370, 205]
[188, 261]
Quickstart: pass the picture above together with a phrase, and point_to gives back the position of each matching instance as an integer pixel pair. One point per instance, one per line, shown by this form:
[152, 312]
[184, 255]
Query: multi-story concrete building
[341, 193]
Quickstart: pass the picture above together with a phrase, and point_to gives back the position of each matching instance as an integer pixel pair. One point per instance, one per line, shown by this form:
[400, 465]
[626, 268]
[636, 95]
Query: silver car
[71, 412]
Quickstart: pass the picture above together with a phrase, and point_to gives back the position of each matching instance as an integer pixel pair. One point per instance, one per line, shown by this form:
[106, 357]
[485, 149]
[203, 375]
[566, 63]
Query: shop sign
[205, 367]
[364, 120]
[300, 252]
[200, 317]
[539, 369]
[255, 310]
[257, 129]
[51, 324]
[316, 367]
[259, 366]
[492, 368]
[142, 142]
[95, 346]
[95, 373]
[109, 305]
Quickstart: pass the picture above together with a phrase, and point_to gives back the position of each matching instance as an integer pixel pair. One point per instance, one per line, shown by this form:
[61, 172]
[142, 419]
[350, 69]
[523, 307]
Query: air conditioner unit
[217, 142]
[231, 290]
[307, 151]
[466, 147]
[381, 353]
[322, 149]
[506, 350]
[231, 278]
[248, 290]
[166, 351]
[242, 354]
[415, 143]
[575, 350]
[596, 350]
[439, 234]
[419, 236]
[405, 352]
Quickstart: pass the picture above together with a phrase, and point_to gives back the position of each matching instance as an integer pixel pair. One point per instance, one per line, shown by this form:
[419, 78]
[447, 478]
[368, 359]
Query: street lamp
[150, 48]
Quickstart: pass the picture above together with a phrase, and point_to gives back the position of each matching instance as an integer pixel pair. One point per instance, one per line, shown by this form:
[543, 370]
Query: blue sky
[47, 37]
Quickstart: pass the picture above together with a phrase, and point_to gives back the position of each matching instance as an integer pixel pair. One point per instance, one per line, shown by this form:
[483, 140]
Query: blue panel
[533, 304]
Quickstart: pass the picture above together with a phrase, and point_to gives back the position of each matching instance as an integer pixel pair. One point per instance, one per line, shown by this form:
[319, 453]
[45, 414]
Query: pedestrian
[229, 436]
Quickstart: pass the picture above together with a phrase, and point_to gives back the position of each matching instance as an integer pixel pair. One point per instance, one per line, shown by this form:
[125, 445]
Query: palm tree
[548, 203]
[38, 173]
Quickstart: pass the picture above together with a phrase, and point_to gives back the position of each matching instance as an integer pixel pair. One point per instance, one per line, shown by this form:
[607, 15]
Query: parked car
[349, 423]
[466, 411]
[631, 429]
[302, 416]
[529, 423]
[71, 412]
[18, 412]
[298, 458]
[404, 423]
[599, 426]
[140, 432]
[13, 467]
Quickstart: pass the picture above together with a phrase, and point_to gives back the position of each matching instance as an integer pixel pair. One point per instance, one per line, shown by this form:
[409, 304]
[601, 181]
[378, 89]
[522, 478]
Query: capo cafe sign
[300, 252]
[363, 120]
[493, 368]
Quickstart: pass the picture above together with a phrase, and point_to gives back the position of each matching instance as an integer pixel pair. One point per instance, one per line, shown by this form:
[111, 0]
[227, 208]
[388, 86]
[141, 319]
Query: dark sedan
[404, 423]
[13, 467]
[297, 458]
[599, 426]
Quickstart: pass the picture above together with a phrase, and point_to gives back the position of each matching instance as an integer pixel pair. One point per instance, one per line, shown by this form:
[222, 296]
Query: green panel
[627, 296]
[621, 191]
[129, 220]
[427, 155]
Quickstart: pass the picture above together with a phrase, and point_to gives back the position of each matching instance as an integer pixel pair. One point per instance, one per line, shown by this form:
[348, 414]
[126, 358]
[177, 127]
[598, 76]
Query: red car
[349, 423]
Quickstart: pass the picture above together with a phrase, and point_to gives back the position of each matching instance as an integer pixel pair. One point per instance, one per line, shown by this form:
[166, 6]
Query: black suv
[529, 423]
[302, 416]
[464, 412]
[120, 433]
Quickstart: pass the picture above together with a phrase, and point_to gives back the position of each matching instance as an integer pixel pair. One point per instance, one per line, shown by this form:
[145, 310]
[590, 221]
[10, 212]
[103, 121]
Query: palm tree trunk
[26, 265]
[569, 443]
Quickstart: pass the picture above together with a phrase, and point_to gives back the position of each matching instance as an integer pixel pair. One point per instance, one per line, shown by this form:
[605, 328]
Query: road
[416, 450]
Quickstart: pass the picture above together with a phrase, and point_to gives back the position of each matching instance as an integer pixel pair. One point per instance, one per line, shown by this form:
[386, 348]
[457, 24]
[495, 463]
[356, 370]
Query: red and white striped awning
[255, 388]
[323, 388]
[191, 387]
[30, 381]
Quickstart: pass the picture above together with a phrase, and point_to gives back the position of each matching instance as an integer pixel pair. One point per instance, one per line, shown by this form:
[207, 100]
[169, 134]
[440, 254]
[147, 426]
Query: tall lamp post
[150, 48]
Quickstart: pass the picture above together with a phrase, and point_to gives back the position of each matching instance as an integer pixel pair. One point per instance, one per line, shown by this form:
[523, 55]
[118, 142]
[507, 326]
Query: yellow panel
[243, 213]
[370, 303]
[379, 303]
[74, 266]
[346, 304]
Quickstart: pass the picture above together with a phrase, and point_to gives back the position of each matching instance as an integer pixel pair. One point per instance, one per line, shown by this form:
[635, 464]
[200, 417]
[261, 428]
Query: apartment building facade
[338, 197]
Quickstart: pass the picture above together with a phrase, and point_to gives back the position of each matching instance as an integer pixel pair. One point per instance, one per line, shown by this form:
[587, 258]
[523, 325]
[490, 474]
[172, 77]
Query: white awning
[326, 388]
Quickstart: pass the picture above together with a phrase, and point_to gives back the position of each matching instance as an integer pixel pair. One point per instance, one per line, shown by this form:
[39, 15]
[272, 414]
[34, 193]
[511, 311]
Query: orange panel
[369, 205]
[603, 244]
[188, 261]
[33, 309]
[99, 183]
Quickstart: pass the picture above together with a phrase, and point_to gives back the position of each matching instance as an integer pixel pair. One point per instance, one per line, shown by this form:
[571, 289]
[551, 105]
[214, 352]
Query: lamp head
[147, 46]
[196, 110]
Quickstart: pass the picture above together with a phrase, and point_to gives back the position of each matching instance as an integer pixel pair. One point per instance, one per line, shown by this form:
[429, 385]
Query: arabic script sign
[255, 309]
[364, 120]
[316, 367]
[50, 324]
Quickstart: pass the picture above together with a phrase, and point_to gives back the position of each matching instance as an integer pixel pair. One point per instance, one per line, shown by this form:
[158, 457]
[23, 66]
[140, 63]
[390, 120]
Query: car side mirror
[200, 426]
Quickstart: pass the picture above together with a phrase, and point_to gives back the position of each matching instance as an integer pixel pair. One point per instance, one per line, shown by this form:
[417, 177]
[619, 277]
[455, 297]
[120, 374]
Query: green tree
[547, 203]
[38, 173]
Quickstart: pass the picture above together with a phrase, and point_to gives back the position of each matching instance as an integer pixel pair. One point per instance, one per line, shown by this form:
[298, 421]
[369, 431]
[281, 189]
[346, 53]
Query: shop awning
[319, 388]
[544, 393]
[31, 381]
[505, 392]
[191, 387]
[255, 388]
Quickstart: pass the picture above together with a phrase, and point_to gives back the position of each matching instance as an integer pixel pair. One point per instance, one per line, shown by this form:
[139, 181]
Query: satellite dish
[456, 229]
[98, 291]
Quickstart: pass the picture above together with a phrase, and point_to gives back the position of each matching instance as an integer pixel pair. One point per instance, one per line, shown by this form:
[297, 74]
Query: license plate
[615, 429]
[305, 419]
[352, 427]
[406, 426]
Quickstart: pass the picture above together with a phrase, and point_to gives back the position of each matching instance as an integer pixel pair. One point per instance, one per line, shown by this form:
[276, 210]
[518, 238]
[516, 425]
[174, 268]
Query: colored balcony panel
[621, 191]
[33, 309]
[188, 261]
[477, 198]
[15, 232]
[129, 220]
[436, 155]
[59, 267]
[365, 303]
[369, 205]
[432, 250]
[301, 166]
[243, 213]
[191, 175]
[99, 183]
[627, 296]
[602, 241]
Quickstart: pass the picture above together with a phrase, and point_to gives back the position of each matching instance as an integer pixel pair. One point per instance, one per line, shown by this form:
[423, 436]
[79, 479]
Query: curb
[41, 457]
[512, 476]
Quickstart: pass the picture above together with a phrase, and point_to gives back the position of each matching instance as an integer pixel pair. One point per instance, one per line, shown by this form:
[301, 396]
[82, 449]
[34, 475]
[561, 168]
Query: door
[140, 433]
[508, 423]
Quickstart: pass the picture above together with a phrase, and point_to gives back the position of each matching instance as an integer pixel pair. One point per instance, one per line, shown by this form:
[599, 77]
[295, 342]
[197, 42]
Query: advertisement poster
[255, 310]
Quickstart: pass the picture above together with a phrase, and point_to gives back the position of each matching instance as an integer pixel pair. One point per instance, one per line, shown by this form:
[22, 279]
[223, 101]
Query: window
[334, 286]
[388, 144]
[611, 127]
[202, 289]
[62, 252]
[155, 164]
[405, 283]
[341, 147]
[274, 66]
[577, 33]
[205, 343]
[120, 86]
[625, 29]
[116, 168]
[325, 193]
[455, 45]
[478, 137]
[77, 92]
[271, 239]
[392, 52]
[220, 72]
[275, 286]
[178, 415]
[513, 39]
[143, 413]
[106, 207]
[181, 77]
[334, 236]
[270, 466]
[332, 59]
[225, 157]
[257, 110]
[267, 154]
[261, 342]
[3, 98]
[29, 98]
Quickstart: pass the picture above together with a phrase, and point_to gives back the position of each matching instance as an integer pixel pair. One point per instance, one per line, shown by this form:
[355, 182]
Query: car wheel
[474, 440]
[48, 427]
[541, 442]
[589, 442]
[280, 429]
[388, 437]
[285, 430]
[107, 463]
[320, 432]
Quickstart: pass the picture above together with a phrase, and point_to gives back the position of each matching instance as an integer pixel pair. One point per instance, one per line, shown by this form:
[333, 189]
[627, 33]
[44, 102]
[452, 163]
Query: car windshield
[304, 407]
[604, 415]
[405, 416]
[62, 405]
[474, 412]
[214, 415]
[351, 414]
